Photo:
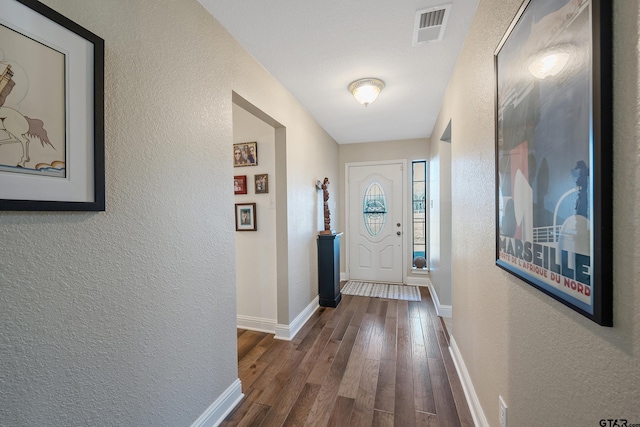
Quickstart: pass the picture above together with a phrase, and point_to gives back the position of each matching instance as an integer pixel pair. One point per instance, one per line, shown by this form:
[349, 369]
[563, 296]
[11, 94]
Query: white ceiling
[316, 48]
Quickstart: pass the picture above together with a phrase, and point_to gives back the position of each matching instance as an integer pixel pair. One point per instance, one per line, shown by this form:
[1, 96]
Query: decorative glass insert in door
[374, 210]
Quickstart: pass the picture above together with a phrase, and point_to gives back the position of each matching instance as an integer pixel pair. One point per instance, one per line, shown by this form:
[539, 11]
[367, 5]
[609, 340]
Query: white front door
[375, 237]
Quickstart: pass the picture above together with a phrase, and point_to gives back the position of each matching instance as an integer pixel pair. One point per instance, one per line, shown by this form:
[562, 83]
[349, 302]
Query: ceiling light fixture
[365, 91]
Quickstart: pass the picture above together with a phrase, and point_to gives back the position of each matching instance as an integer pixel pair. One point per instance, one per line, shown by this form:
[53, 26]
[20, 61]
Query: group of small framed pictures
[246, 154]
[261, 184]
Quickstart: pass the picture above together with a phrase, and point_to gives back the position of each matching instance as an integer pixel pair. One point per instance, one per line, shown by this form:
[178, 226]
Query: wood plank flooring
[368, 362]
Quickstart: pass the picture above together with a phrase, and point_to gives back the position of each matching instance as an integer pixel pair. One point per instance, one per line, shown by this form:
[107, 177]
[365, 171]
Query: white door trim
[407, 226]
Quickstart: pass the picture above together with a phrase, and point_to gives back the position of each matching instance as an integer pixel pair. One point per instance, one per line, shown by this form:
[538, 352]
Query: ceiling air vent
[430, 23]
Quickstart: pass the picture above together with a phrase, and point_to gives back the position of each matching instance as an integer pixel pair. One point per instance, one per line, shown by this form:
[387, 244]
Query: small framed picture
[240, 184]
[262, 183]
[246, 217]
[245, 154]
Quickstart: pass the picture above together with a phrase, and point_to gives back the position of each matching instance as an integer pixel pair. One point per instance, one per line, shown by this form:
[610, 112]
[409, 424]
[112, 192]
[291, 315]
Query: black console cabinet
[329, 269]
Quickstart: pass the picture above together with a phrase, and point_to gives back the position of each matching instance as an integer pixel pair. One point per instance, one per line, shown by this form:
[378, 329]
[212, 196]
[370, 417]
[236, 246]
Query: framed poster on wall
[553, 152]
[51, 111]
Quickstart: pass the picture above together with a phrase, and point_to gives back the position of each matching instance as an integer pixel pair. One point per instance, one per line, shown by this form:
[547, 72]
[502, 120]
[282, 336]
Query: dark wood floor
[369, 362]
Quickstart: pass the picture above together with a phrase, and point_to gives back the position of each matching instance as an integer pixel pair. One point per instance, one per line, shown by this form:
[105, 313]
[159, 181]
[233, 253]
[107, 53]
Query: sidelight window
[419, 187]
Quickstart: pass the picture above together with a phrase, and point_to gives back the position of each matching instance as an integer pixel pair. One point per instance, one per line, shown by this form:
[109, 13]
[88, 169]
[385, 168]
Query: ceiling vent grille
[430, 24]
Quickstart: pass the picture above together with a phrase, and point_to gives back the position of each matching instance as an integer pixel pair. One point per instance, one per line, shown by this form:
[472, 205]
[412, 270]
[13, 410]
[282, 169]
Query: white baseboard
[417, 281]
[479, 419]
[256, 324]
[287, 332]
[343, 276]
[223, 405]
[441, 310]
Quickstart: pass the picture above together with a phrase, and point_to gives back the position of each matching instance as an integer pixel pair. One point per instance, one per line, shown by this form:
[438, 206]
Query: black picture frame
[77, 181]
[554, 152]
[246, 217]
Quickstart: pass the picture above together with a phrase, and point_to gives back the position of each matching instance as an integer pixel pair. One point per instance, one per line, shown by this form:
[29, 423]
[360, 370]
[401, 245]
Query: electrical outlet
[502, 412]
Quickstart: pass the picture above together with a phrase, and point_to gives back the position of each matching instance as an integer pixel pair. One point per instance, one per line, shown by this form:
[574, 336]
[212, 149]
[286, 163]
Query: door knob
[398, 233]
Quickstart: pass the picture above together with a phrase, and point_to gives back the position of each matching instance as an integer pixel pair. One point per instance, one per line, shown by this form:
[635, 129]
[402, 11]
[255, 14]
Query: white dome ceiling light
[365, 91]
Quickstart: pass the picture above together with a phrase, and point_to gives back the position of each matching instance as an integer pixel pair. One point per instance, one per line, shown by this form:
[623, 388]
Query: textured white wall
[128, 317]
[552, 365]
[440, 213]
[311, 153]
[256, 250]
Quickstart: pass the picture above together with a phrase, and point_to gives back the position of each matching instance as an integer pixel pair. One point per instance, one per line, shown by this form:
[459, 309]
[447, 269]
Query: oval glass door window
[374, 210]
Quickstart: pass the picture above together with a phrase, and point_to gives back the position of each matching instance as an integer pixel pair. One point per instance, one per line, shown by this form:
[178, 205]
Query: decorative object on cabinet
[327, 212]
